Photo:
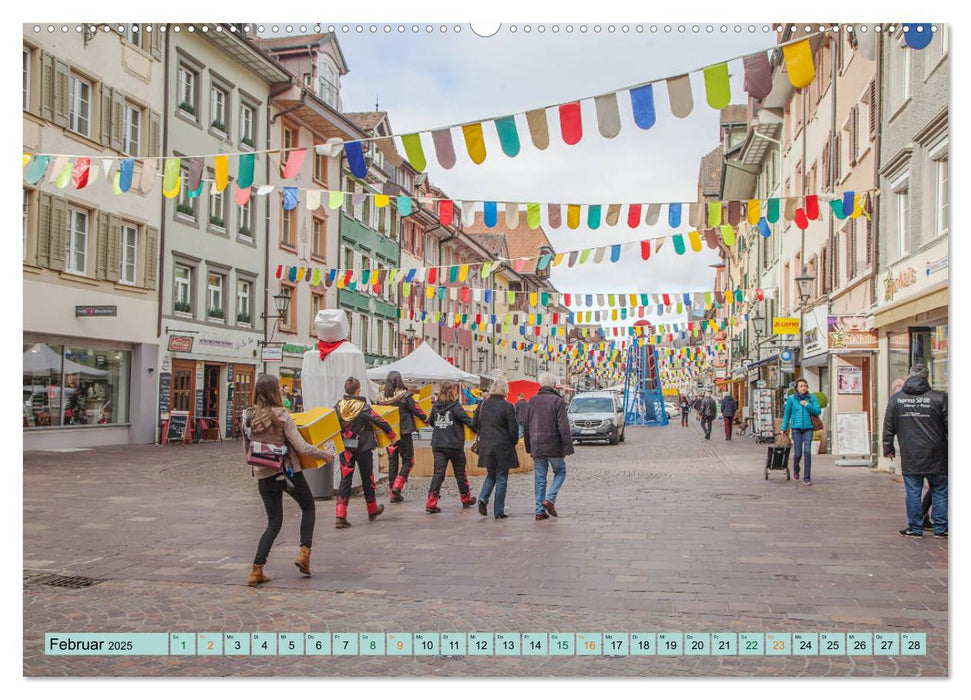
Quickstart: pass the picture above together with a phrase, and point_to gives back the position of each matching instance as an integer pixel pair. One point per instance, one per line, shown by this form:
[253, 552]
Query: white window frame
[244, 293]
[129, 244]
[133, 129]
[214, 292]
[77, 241]
[187, 89]
[27, 61]
[244, 215]
[939, 158]
[900, 187]
[900, 68]
[247, 129]
[76, 102]
[134, 36]
[26, 218]
[182, 285]
[218, 108]
[937, 50]
[217, 207]
[184, 198]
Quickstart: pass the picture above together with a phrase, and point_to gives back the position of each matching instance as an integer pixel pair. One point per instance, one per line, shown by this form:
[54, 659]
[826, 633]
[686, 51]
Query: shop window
[74, 385]
[77, 241]
[79, 106]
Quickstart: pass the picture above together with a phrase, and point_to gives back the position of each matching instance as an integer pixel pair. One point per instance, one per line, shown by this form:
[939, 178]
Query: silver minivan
[597, 415]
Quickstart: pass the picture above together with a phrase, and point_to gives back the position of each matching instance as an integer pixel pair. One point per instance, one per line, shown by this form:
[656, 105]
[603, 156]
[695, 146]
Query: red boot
[431, 505]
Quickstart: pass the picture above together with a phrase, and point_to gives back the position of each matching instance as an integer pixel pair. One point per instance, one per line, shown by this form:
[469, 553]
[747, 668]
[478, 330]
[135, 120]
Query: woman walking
[269, 422]
[495, 422]
[800, 408]
[358, 421]
[448, 445]
[395, 393]
[685, 410]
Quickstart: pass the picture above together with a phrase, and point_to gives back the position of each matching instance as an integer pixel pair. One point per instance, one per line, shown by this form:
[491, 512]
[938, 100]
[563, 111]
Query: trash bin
[321, 480]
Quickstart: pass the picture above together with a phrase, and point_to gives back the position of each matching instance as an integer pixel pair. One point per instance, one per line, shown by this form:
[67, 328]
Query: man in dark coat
[522, 405]
[548, 439]
[708, 411]
[917, 417]
[495, 423]
[729, 406]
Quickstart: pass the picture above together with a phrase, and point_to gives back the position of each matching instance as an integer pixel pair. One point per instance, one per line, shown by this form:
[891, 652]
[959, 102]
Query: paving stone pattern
[666, 532]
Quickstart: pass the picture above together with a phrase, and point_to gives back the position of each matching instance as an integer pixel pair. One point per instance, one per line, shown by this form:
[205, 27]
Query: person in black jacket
[729, 406]
[708, 410]
[448, 419]
[358, 421]
[917, 417]
[495, 422]
[548, 439]
[395, 393]
[685, 410]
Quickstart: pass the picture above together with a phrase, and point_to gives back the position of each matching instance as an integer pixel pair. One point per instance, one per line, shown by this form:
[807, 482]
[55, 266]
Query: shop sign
[849, 379]
[904, 279]
[787, 361]
[761, 384]
[936, 266]
[291, 349]
[216, 343]
[272, 354]
[785, 326]
[87, 311]
[180, 343]
[810, 341]
[850, 333]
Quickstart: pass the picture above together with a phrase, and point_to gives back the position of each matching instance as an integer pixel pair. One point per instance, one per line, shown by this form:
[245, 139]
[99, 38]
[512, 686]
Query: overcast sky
[428, 80]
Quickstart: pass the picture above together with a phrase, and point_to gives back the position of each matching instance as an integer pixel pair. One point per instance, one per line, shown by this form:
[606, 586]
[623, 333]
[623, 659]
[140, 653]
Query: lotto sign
[785, 326]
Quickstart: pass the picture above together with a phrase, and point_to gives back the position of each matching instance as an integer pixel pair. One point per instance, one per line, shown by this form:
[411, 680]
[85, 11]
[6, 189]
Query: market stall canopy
[423, 365]
[522, 386]
[40, 359]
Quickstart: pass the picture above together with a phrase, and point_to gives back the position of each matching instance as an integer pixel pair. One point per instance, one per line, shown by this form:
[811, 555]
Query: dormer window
[328, 82]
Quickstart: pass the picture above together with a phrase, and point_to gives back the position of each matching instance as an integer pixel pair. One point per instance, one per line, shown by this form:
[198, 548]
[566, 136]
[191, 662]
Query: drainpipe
[161, 228]
[875, 228]
[832, 223]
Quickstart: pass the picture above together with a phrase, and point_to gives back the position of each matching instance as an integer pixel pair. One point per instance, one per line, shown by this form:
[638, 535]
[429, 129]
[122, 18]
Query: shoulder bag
[267, 455]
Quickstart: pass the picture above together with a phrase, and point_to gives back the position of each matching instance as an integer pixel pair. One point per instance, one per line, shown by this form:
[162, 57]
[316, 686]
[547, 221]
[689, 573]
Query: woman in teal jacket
[800, 406]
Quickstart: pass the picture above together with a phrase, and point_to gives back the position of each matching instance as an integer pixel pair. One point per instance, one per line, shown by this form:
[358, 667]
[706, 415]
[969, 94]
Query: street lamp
[805, 282]
[758, 325]
[281, 301]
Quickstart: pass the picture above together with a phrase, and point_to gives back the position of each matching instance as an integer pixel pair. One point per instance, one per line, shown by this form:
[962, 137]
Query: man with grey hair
[548, 440]
[917, 417]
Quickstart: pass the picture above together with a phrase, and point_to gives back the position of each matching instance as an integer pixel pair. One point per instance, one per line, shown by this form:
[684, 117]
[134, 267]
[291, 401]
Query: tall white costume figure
[325, 369]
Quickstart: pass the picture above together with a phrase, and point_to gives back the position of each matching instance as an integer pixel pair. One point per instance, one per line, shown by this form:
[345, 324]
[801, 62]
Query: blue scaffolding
[643, 395]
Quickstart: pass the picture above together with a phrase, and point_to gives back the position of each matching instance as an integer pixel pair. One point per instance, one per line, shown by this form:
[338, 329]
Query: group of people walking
[707, 411]
[541, 422]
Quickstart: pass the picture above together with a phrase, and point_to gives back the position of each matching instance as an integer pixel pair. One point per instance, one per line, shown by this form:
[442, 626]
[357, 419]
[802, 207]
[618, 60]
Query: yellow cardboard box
[320, 427]
[424, 401]
[393, 416]
[469, 435]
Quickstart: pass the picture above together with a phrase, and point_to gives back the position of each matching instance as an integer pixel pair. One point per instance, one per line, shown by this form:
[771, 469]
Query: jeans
[913, 485]
[497, 479]
[706, 426]
[684, 418]
[728, 427]
[540, 466]
[802, 441]
[271, 491]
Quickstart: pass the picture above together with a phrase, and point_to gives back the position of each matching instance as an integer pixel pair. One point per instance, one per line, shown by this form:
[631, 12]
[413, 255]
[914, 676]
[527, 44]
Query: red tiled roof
[366, 120]
[283, 42]
[522, 241]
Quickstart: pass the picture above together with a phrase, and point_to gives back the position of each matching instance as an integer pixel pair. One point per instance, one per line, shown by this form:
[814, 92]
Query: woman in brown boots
[358, 421]
[270, 425]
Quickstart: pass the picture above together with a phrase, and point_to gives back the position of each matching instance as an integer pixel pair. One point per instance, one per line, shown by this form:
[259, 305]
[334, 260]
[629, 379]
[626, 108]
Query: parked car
[597, 415]
[671, 408]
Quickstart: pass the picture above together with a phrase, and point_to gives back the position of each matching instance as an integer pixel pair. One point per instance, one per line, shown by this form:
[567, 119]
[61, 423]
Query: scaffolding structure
[643, 394]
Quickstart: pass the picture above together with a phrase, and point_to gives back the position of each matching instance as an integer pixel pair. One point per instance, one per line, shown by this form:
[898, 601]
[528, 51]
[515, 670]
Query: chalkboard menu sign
[164, 392]
[177, 427]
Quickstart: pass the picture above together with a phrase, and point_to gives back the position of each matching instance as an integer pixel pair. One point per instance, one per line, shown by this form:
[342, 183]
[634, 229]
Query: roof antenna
[376, 109]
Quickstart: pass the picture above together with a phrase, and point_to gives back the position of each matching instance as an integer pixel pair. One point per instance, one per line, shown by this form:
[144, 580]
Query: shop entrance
[184, 386]
[210, 392]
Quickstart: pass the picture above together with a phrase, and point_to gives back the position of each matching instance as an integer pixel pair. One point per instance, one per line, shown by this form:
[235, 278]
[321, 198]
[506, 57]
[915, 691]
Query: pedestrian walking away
[448, 420]
[495, 422]
[797, 418]
[708, 411]
[685, 411]
[269, 423]
[729, 406]
[522, 405]
[917, 417]
[548, 440]
[358, 421]
[395, 393]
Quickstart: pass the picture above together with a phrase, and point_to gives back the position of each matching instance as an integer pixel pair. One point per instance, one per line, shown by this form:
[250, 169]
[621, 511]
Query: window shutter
[101, 263]
[106, 98]
[114, 248]
[58, 238]
[62, 90]
[852, 144]
[825, 163]
[156, 40]
[117, 121]
[837, 158]
[150, 268]
[155, 135]
[873, 110]
[44, 230]
[47, 81]
[869, 241]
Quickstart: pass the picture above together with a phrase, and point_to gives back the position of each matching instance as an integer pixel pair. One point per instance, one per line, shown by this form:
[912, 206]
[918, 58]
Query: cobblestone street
[665, 532]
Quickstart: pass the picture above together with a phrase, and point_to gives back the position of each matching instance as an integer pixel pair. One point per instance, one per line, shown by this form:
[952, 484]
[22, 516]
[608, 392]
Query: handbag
[475, 446]
[266, 454]
[816, 422]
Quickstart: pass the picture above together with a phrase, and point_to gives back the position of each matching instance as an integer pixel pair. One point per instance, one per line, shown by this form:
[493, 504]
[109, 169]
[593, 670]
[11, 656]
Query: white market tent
[423, 365]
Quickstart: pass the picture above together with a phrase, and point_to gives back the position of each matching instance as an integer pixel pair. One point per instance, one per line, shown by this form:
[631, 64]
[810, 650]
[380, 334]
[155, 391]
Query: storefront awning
[767, 360]
[907, 309]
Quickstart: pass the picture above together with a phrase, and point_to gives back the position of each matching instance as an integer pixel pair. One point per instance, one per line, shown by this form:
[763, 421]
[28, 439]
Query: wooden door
[243, 384]
[184, 386]
[210, 392]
